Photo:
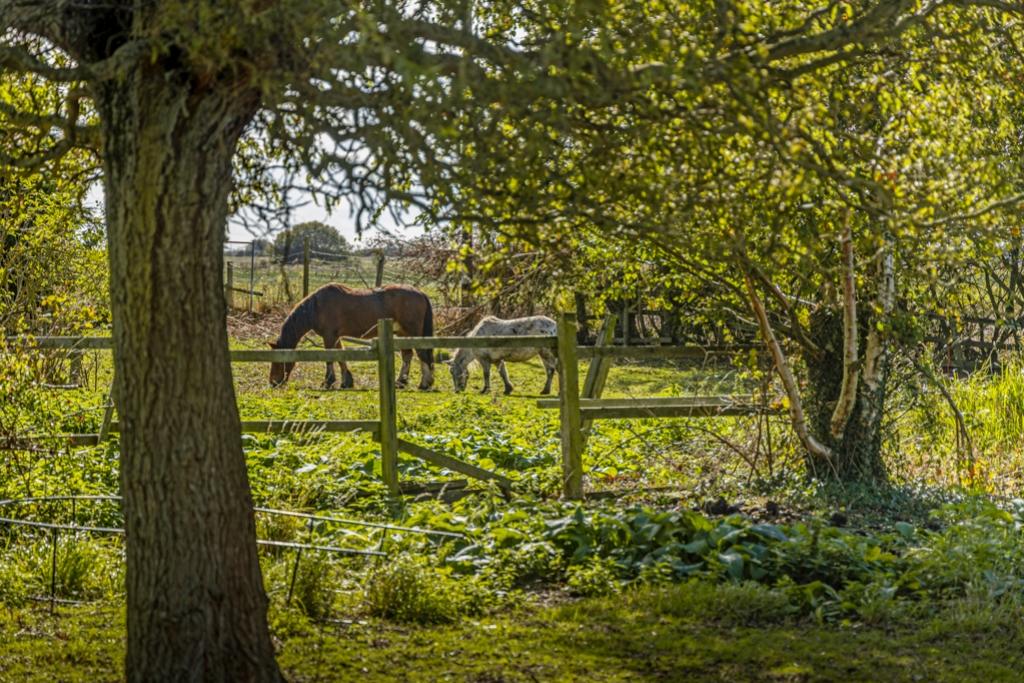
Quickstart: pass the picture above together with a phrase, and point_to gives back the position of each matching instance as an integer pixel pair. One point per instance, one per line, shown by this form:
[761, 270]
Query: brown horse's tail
[427, 355]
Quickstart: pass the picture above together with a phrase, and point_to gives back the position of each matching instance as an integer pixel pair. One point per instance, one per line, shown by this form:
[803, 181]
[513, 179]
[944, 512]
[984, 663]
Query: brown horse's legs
[504, 377]
[329, 343]
[403, 374]
[347, 380]
[426, 375]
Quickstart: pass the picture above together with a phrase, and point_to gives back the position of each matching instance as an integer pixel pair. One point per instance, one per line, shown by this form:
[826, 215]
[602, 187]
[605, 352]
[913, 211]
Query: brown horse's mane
[298, 322]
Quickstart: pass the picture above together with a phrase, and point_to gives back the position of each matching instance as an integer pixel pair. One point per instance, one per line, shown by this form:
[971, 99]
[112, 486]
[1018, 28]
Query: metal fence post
[569, 403]
[53, 570]
[298, 558]
[388, 405]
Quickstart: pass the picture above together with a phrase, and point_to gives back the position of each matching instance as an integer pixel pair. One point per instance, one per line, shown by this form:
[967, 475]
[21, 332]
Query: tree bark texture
[857, 450]
[196, 602]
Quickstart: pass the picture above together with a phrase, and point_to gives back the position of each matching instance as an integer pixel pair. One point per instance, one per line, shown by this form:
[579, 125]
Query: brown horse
[335, 311]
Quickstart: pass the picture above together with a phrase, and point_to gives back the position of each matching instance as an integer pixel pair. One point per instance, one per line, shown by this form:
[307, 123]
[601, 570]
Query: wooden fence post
[583, 335]
[252, 272]
[388, 405]
[597, 373]
[75, 372]
[625, 322]
[379, 278]
[569, 403]
[305, 267]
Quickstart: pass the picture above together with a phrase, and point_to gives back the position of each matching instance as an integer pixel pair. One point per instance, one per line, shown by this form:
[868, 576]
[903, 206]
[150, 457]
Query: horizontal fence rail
[119, 531]
[661, 352]
[297, 355]
[413, 343]
[344, 521]
[697, 406]
[76, 343]
[237, 355]
[521, 342]
[359, 522]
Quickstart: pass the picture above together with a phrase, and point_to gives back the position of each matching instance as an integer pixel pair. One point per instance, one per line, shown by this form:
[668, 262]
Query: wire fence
[260, 277]
[329, 527]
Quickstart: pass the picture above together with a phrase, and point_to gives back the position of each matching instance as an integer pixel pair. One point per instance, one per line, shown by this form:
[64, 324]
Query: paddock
[578, 405]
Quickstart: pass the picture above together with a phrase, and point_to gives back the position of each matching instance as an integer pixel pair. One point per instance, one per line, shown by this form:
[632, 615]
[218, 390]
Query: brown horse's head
[279, 372]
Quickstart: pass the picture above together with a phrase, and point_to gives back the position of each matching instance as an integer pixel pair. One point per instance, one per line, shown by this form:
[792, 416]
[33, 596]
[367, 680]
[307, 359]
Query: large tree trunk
[857, 452]
[196, 602]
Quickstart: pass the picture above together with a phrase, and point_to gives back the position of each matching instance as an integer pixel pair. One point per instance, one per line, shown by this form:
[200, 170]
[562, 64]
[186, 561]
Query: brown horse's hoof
[508, 390]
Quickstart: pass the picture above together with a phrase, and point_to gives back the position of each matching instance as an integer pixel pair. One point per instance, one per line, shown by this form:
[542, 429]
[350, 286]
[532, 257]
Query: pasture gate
[577, 408]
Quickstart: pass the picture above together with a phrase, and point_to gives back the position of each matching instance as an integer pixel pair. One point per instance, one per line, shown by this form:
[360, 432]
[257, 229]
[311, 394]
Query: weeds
[407, 589]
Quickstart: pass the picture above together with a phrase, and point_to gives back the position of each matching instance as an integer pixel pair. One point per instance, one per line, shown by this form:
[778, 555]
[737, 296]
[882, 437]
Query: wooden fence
[577, 406]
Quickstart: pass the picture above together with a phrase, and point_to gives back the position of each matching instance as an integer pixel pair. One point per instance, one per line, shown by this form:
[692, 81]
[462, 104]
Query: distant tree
[262, 247]
[322, 237]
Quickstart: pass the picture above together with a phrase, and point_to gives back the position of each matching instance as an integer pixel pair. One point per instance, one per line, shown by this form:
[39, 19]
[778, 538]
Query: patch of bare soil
[255, 326]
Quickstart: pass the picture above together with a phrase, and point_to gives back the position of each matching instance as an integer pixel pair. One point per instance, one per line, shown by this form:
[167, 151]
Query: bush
[86, 569]
[594, 578]
[313, 586]
[407, 589]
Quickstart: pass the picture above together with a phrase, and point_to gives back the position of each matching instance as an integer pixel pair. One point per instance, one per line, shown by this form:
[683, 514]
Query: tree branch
[848, 390]
[19, 59]
[796, 411]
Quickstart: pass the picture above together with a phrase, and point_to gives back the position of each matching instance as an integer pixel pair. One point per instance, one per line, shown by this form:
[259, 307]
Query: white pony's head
[459, 367]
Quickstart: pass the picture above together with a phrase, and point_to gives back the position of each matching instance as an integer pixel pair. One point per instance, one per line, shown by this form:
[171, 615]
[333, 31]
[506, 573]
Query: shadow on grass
[694, 632]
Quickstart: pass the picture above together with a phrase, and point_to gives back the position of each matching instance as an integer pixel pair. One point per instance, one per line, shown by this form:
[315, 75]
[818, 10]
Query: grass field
[703, 555]
[677, 634]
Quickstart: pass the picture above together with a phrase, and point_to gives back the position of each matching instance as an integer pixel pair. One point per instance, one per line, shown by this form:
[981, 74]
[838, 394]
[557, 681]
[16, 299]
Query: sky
[340, 219]
[308, 211]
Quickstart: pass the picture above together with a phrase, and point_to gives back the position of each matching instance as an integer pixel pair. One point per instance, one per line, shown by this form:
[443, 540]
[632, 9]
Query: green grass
[664, 634]
[906, 593]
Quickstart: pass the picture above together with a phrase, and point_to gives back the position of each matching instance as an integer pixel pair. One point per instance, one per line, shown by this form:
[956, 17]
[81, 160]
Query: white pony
[496, 327]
